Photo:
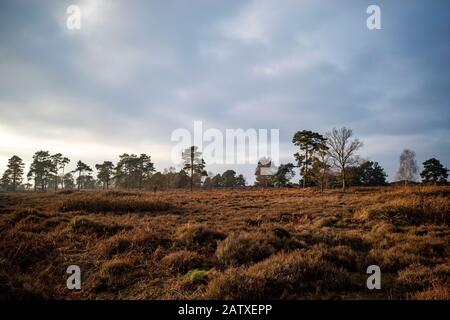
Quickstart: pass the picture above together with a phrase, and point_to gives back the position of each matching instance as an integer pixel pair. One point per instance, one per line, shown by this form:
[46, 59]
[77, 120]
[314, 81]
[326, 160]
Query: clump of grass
[31, 214]
[25, 249]
[297, 272]
[198, 236]
[326, 222]
[182, 261]
[382, 229]
[197, 276]
[242, 248]
[352, 239]
[415, 276]
[342, 257]
[419, 277]
[95, 204]
[148, 241]
[39, 222]
[438, 291]
[30, 220]
[393, 259]
[116, 245]
[279, 238]
[410, 210]
[113, 274]
[88, 226]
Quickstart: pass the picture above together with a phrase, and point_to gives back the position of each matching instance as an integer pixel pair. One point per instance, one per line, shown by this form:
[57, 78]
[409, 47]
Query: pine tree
[283, 175]
[41, 170]
[193, 163]
[81, 168]
[434, 172]
[105, 173]
[13, 175]
[308, 142]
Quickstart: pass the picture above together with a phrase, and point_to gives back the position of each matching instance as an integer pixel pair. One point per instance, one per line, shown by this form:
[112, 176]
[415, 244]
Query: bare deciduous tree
[342, 149]
[408, 166]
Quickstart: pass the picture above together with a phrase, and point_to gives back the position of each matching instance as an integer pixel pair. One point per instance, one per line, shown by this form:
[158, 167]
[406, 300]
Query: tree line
[324, 161]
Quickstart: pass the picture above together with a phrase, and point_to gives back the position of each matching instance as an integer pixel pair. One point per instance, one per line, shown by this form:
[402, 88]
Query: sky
[138, 70]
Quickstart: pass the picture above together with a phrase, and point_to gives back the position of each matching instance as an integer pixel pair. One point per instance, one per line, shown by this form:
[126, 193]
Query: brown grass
[116, 202]
[226, 244]
[242, 248]
[296, 273]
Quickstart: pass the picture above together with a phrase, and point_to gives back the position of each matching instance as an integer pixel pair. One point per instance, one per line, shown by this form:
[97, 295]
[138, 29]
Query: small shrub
[243, 248]
[149, 241]
[199, 236]
[279, 238]
[342, 257]
[183, 261]
[297, 272]
[116, 245]
[113, 274]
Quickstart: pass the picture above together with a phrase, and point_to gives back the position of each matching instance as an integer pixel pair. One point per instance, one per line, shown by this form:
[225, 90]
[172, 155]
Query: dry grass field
[226, 244]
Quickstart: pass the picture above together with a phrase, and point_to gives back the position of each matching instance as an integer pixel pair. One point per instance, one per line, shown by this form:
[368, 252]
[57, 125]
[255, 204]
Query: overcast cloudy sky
[137, 70]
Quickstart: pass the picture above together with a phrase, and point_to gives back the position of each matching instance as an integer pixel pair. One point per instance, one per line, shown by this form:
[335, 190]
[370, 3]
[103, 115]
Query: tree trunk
[192, 177]
[79, 179]
[62, 180]
[14, 180]
[343, 179]
[305, 168]
[322, 180]
[192, 170]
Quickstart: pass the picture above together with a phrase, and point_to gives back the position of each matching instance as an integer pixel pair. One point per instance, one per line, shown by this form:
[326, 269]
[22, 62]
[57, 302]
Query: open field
[226, 244]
